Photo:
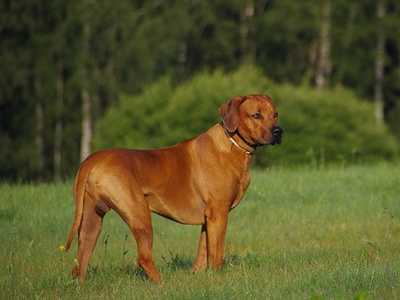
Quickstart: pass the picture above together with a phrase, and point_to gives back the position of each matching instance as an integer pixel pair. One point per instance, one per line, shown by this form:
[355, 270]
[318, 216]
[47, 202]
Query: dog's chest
[244, 182]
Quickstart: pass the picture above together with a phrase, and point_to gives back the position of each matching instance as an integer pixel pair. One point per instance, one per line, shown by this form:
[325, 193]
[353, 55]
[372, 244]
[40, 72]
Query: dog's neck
[237, 141]
[238, 154]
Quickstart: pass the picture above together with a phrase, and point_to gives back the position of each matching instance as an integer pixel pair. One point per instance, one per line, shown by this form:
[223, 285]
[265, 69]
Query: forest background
[77, 76]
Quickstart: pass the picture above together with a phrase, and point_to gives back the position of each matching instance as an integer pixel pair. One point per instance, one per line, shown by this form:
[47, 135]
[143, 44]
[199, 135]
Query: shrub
[136, 121]
[320, 126]
[326, 126]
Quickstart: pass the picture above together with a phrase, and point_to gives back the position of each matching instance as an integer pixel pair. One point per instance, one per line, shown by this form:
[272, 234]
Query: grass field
[328, 233]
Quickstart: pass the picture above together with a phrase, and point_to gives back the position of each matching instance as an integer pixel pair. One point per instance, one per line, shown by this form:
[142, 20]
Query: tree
[323, 61]
[86, 97]
[63, 64]
[379, 62]
[58, 132]
[247, 39]
[284, 43]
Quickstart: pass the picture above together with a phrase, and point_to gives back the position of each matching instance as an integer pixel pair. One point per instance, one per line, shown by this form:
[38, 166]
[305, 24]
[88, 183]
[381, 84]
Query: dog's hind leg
[144, 240]
[88, 234]
[134, 210]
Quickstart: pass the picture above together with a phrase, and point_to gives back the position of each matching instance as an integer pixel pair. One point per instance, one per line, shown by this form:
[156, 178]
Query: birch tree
[323, 63]
[379, 62]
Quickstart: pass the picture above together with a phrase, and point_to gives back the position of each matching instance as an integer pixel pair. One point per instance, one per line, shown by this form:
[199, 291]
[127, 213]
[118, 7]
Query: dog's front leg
[216, 223]
[201, 259]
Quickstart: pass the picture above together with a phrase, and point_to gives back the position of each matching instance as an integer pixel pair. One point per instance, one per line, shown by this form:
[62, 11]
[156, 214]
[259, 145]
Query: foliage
[320, 126]
[326, 126]
[136, 121]
[118, 48]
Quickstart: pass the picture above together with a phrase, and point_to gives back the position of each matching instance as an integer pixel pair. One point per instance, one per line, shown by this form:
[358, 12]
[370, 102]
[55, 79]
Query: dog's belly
[185, 212]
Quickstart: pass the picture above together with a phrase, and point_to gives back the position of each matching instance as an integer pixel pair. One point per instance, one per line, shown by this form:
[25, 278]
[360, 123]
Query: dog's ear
[229, 111]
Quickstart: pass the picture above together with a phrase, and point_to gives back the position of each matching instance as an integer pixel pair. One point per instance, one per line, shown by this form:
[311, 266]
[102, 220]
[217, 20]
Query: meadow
[328, 232]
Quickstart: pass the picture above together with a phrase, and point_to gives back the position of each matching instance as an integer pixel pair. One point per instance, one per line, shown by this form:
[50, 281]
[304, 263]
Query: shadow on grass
[177, 262]
[129, 270]
[137, 272]
[251, 260]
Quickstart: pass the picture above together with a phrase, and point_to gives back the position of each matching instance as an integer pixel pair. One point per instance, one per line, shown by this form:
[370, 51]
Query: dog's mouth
[276, 141]
[274, 137]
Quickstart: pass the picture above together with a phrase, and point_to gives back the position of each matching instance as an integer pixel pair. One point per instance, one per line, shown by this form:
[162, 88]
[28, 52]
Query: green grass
[329, 233]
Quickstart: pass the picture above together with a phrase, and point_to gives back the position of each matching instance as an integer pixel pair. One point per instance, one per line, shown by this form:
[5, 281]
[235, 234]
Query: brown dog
[194, 182]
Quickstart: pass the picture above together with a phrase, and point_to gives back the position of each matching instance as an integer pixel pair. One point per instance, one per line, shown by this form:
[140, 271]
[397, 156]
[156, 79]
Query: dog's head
[254, 117]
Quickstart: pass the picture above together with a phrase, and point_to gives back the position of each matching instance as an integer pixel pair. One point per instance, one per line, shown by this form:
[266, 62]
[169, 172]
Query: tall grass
[329, 233]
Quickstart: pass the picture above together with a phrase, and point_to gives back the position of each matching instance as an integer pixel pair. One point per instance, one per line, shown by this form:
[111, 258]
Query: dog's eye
[256, 115]
[275, 115]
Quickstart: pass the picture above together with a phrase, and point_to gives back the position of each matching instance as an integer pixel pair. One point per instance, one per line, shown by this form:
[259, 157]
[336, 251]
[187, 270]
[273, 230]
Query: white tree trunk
[39, 137]
[39, 127]
[247, 33]
[58, 133]
[379, 63]
[323, 68]
[86, 137]
[86, 134]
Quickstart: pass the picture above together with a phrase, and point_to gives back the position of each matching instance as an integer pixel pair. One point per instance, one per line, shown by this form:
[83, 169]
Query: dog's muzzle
[276, 135]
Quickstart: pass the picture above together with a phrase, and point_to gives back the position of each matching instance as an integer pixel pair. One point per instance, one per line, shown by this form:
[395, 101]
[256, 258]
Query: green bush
[320, 126]
[329, 125]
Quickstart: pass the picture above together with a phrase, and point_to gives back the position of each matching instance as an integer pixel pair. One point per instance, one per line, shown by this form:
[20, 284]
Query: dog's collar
[240, 147]
[247, 151]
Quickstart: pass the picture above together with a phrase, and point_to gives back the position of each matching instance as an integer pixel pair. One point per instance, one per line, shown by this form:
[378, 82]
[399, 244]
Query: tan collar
[240, 147]
[229, 136]
[248, 151]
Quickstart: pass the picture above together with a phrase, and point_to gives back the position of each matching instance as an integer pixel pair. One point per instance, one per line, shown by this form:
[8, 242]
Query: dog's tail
[79, 194]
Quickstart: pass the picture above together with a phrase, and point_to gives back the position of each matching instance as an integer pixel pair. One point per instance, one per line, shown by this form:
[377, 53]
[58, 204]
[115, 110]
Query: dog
[195, 182]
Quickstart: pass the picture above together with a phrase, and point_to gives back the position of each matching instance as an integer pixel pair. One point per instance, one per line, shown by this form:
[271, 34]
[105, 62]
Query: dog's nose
[277, 131]
[277, 135]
